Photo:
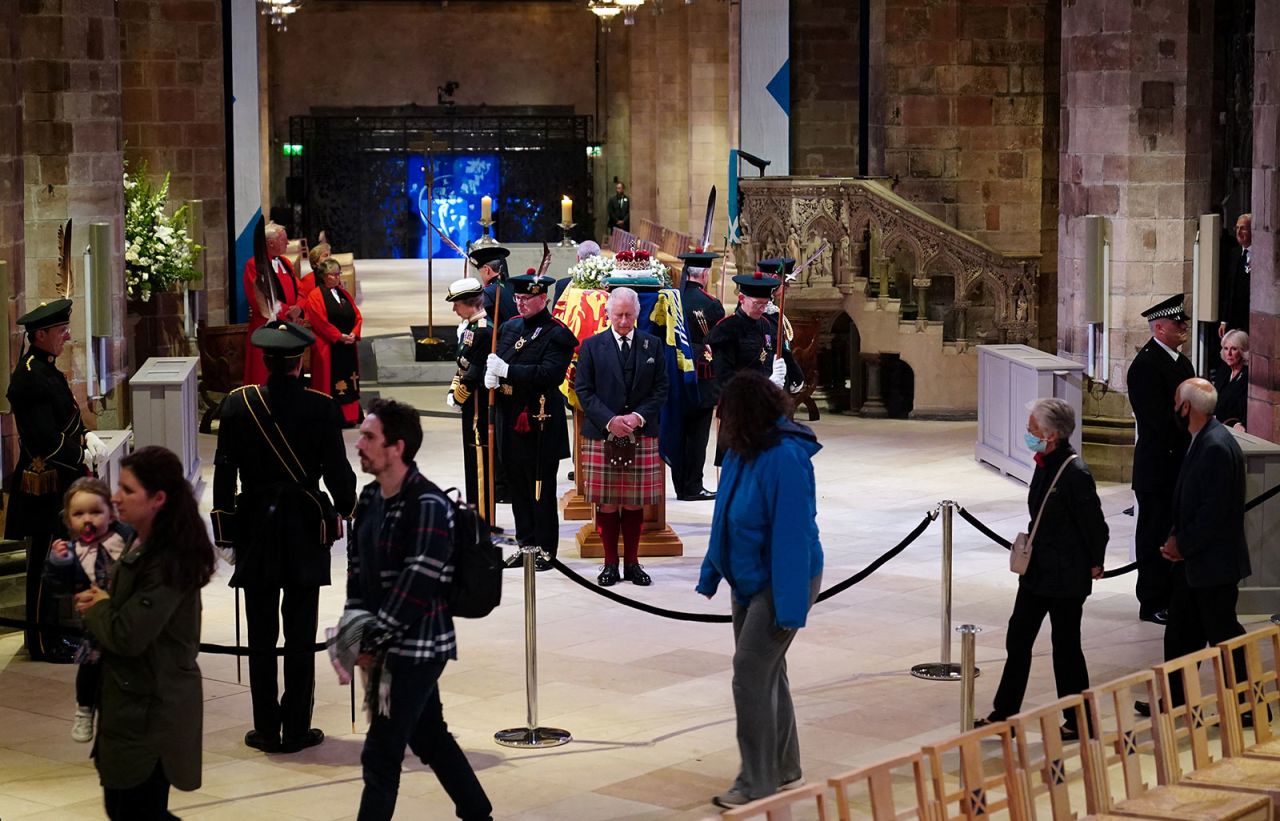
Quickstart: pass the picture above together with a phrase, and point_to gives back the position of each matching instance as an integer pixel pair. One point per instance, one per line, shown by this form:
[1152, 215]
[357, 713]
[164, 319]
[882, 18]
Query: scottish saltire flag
[665, 313]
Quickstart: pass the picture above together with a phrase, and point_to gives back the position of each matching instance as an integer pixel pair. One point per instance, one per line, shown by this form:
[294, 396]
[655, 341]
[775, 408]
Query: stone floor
[647, 699]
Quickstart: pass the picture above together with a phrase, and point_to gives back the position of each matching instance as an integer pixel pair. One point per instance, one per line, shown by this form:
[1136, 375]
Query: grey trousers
[767, 738]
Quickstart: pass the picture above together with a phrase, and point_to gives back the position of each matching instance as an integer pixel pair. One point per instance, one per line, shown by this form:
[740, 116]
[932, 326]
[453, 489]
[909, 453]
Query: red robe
[255, 370]
[316, 306]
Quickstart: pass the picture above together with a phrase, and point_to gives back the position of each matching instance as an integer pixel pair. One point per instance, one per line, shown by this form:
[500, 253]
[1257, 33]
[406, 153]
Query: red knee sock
[608, 524]
[632, 524]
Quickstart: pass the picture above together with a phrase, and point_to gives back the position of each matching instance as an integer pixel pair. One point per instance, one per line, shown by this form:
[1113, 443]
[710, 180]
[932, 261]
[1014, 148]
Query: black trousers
[697, 431]
[39, 519]
[264, 610]
[475, 460]
[89, 684]
[537, 517]
[149, 801]
[1199, 617]
[1155, 521]
[1069, 670]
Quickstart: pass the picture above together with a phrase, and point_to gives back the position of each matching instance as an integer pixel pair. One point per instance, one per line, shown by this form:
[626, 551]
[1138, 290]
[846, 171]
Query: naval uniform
[533, 434]
[702, 312]
[51, 440]
[475, 341]
[275, 526]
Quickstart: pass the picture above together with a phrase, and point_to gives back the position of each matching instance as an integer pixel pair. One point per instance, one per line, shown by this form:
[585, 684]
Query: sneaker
[82, 725]
[730, 799]
[794, 784]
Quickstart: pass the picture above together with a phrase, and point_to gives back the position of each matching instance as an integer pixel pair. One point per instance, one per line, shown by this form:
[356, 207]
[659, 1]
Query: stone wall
[1135, 149]
[11, 189]
[824, 87]
[171, 76]
[1264, 315]
[70, 84]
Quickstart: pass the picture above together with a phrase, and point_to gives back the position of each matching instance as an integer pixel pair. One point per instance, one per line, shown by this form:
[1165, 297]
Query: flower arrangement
[591, 272]
[158, 250]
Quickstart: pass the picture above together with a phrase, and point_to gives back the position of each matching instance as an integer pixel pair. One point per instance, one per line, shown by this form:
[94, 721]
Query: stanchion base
[532, 737]
[938, 671]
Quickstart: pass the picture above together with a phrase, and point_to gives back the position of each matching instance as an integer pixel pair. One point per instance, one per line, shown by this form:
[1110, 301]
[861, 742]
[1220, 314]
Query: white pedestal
[165, 408]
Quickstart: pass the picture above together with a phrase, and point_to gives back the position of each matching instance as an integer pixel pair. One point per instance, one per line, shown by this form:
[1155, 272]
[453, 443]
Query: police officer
[53, 448]
[702, 312]
[534, 351]
[491, 269]
[278, 440]
[467, 392]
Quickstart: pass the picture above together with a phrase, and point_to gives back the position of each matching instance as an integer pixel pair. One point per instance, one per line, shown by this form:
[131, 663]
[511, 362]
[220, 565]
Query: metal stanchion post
[531, 735]
[968, 672]
[943, 670]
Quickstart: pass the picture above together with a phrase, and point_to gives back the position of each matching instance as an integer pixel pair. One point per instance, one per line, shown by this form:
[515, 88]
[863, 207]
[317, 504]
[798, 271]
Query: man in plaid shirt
[399, 559]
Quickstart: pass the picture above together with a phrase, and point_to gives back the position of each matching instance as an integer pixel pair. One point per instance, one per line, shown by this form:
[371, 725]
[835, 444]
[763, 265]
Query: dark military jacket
[506, 306]
[272, 522]
[742, 342]
[475, 343]
[48, 419]
[702, 312]
[538, 350]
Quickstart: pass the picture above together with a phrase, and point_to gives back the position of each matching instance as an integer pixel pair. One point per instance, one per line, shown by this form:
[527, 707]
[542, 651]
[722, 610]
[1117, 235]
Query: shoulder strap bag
[1020, 554]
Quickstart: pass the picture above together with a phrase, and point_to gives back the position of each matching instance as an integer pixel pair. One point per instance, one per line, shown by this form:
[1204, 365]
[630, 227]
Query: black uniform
[474, 344]
[274, 526]
[533, 434]
[506, 304]
[51, 457]
[702, 312]
[1153, 378]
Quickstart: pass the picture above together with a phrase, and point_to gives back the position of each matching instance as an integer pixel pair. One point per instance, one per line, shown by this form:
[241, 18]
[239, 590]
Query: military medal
[468, 337]
[520, 343]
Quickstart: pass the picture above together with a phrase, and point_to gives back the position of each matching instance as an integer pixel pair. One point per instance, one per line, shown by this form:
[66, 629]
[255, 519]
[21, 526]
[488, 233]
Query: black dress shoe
[262, 741]
[514, 560]
[635, 574]
[701, 496]
[1142, 708]
[310, 738]
[608, 576]
[540, 564]
[1160, 617]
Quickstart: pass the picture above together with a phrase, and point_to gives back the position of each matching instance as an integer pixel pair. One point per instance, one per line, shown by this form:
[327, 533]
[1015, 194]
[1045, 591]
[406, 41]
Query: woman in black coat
[1231, 380]
[1067, 555]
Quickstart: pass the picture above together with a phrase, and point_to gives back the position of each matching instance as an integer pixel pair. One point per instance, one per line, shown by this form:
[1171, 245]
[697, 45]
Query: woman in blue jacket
[764, 543]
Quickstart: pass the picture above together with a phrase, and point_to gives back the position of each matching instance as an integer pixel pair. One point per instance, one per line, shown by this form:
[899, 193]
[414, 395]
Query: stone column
[873, 403]
[1135, 149]
[11, 209]
[1264, 314]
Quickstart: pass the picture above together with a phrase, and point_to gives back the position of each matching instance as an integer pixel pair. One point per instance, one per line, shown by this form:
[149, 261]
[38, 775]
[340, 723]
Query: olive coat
[152, 704]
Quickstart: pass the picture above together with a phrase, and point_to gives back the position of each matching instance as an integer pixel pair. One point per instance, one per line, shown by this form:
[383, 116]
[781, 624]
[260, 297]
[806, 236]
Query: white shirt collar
[1167, 349]
[617, 338]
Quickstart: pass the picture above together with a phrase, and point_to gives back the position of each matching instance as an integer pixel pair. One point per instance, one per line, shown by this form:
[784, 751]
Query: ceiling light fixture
[277, 11]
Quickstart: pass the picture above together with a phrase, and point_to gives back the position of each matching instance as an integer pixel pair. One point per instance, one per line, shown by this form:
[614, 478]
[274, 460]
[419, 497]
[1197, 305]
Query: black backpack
[477, 562]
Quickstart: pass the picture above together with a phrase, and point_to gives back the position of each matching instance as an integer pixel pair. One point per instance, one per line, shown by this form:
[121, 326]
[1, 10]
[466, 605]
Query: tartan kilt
[605, 484]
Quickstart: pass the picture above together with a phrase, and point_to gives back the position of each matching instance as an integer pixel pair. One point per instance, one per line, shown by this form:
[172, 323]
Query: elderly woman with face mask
[335, 320]
[1231, 380]
[1068, 547]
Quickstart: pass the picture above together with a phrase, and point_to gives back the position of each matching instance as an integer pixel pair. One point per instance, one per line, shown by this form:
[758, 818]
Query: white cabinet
[1260, 592]
[165, 409]
[1009, 377]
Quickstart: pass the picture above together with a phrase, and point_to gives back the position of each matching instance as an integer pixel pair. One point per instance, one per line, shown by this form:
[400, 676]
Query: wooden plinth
[574, 507]
[661, 541]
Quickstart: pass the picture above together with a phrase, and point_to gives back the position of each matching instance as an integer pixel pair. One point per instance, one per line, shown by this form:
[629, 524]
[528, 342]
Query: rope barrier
[710, 618]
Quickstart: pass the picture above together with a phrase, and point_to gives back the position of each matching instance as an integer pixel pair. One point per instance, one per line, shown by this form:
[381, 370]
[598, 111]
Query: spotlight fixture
[629, 10]
[277, 11]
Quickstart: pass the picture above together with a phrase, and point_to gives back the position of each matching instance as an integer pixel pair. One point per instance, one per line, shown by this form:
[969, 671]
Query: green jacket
[152, 698]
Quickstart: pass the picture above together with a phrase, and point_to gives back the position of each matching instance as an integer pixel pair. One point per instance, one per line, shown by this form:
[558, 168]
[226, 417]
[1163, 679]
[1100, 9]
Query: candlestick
[565, 240]
[566, 210]
[486, 240]
[486, 209]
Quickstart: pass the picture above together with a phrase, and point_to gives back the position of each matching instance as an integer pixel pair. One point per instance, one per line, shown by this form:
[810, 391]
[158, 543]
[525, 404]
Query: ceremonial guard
[534, 351]
[467, 393]
[491, 268]
[702, 312]
[279, 440]
[52, 445]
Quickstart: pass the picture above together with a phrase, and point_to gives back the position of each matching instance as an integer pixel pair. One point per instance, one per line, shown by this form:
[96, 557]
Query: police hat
[778, 266]
[481, 257]
[758, 284]
[531, 283]
[282, 339]
[465, 287]
[1171, 308]
[46, 315]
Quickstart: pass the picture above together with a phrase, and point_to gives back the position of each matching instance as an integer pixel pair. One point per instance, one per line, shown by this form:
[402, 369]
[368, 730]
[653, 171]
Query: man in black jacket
[619, 208]
[1233, 279]
[1154, 376]
[279, 440]
[533, 355]
[702, 312]
[1206, 547]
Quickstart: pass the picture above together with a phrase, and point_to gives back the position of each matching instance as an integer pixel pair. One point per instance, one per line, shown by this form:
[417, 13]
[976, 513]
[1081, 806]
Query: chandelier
[277, 11]
[605, 11]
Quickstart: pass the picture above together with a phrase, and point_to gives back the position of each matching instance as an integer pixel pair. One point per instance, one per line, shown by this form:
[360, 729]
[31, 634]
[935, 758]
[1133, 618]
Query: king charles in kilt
[621, 383]
[467, 392]
[534, 350]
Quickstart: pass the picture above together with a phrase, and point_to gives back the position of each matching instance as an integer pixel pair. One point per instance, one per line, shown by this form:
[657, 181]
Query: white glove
[495, 364]
[779, 375]
[491, 379]
[449, 400]
[95, 450]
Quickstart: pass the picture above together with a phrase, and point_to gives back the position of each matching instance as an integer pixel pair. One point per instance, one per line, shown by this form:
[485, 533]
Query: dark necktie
[626, 348]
